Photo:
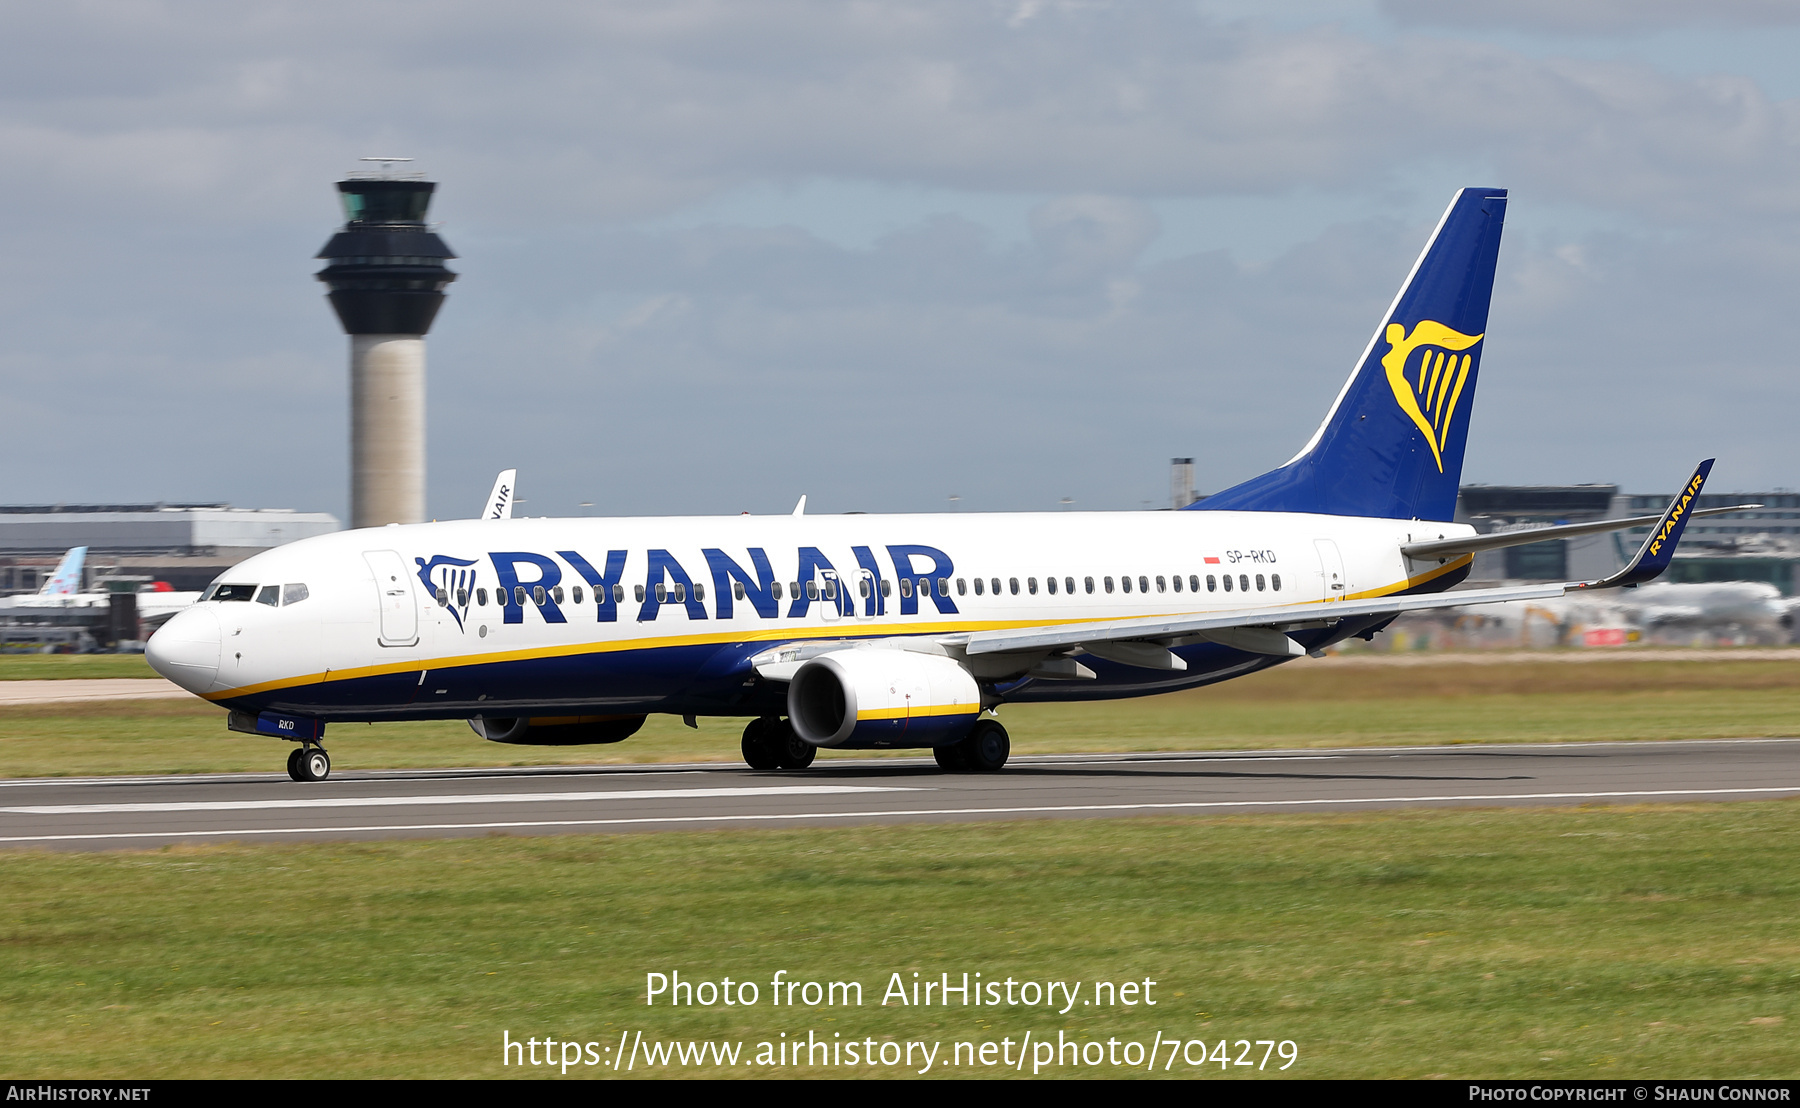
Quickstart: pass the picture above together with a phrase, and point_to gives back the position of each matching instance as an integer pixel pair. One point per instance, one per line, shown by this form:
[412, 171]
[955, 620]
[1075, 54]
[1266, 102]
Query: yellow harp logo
[1443, 371]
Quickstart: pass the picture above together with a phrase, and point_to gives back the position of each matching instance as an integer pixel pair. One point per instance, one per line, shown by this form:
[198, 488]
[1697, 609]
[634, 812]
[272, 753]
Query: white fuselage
[406, 621]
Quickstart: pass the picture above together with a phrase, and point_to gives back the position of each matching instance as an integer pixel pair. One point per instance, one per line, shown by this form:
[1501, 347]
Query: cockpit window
[293, 594]
[233, 592]
[270, 595]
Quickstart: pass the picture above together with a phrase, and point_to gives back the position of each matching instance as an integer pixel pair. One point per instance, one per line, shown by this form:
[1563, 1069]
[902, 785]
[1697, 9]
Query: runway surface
[136, 812]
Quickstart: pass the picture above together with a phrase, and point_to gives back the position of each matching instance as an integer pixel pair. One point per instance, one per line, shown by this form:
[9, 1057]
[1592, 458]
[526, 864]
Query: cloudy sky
[719, 253]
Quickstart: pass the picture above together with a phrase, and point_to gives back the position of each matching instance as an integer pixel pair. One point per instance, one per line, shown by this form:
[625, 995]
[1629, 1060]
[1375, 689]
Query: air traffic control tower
[387, 275]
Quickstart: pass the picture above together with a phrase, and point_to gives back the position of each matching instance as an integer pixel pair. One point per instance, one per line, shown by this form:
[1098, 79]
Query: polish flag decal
[1212, 561]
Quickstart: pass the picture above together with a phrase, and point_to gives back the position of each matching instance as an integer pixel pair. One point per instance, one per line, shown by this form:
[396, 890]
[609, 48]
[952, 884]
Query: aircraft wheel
[794, 751]
[314, 763]
[950, 758]
[986, 747]
[294, 770]
[759, 744]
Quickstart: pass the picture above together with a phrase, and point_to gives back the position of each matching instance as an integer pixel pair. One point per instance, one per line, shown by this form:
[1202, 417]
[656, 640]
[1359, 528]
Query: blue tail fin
[1392, 444]
[66, 581]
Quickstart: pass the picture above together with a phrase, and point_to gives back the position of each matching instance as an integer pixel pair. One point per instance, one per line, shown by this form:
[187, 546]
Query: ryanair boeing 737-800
[861, 631]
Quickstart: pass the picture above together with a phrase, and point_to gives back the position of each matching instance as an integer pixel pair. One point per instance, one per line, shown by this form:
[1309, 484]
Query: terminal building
[1760, 544]
[186, 545]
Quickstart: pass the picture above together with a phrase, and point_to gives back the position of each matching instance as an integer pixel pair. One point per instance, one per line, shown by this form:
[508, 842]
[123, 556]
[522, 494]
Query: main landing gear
[309, 763]
[984, 749]
[770, 743]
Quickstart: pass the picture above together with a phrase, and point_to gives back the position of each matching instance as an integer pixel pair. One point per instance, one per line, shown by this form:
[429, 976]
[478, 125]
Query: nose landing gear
[309, 763]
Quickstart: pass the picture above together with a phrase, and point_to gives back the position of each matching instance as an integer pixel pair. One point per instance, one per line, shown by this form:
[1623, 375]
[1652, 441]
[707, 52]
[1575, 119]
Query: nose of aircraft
[186, 649]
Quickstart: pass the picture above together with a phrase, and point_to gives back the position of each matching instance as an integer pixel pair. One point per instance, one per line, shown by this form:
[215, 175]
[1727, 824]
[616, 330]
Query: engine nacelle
[864, 698]
[558, 730]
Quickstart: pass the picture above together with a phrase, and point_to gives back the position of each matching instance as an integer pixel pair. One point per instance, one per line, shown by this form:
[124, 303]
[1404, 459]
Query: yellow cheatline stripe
[843, 630]
[934, 710]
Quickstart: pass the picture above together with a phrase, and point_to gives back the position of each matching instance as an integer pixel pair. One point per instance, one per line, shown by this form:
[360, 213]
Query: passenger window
[737, 589]
[575, 594]
[662, 592]
[1275, 581]
[887, 587]
[905, 586]
[270, 595]
[775, 589]
[519, 595]
[1243, 582]
[1050, 584]
[943, 586]
[979, 588]
[537, 595]
[481, 598]
[1143, 584]
[1090, 583]
[1161, 584]
[794, 589]
[1125, 583]
[699, 591]
[812, 590]
[295, 593]
[1013, 584]
[1259, 582]
[1031, 585]
[1109, 586]
[638, 591]
[995, 583]
[1193, 583]
[924, 586]
[962, 589]
[556, 594]
[862, 588]
[1176, 581]
[442, 597]
[462, 598]
[1228, 582]
[619, 594]
[1069, 585]
[680, 593]
[1212, 583]
[830, 589]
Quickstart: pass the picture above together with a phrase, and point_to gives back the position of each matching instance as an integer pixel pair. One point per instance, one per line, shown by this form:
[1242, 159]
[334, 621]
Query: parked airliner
[62, 590]
[860, 631]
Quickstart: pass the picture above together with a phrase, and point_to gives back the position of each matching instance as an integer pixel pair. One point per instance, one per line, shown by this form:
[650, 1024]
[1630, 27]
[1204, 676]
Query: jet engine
[557, 730]
[864, 698]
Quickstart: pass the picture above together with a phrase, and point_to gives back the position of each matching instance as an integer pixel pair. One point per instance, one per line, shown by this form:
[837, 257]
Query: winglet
[500, 501]
[800, 508]
[1653, 557]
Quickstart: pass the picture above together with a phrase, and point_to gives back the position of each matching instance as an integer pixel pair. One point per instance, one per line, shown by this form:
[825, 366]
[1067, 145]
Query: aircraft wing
[1228, 628]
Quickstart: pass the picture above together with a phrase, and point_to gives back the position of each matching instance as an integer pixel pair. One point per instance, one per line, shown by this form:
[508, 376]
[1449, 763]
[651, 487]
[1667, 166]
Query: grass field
[1298, 705]
[1605, 942]
[53, 667]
